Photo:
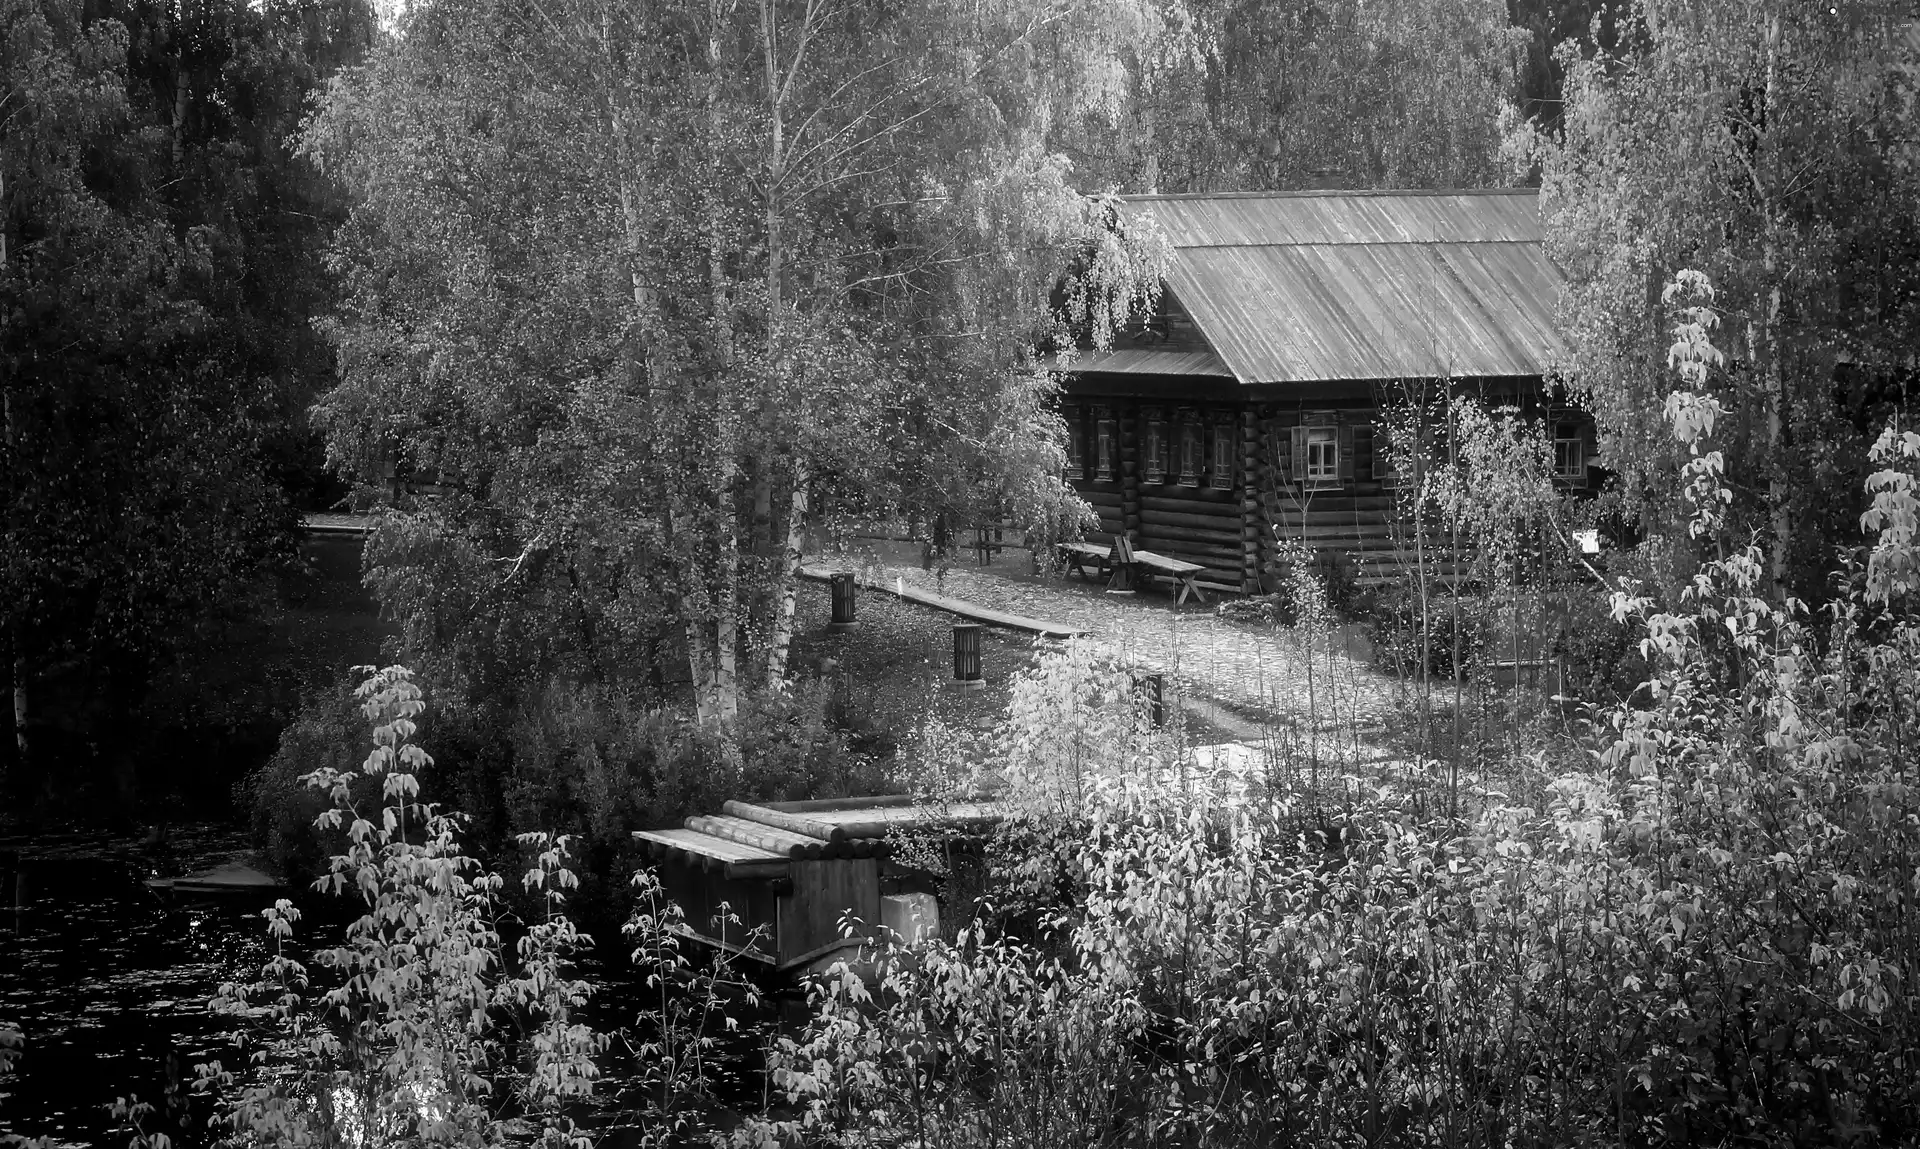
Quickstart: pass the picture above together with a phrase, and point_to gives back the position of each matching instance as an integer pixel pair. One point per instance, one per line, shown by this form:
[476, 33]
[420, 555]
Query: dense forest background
[598, 310]
[637, 296]
[182, 270]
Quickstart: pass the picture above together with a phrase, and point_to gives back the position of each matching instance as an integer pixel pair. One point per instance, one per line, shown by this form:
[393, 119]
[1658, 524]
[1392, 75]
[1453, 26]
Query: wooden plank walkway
[961, 607]
[316, 523]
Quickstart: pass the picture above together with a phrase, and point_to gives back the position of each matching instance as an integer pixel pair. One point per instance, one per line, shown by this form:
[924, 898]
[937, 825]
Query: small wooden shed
[790, 871]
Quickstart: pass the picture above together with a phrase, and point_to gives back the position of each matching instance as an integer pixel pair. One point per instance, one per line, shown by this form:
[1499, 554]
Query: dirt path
[1246, 678]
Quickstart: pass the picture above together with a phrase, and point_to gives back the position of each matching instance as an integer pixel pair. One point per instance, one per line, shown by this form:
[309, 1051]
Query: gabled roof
[1294, 287]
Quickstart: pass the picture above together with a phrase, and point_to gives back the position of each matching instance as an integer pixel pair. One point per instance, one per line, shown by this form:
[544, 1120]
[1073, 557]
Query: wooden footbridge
[790, 871]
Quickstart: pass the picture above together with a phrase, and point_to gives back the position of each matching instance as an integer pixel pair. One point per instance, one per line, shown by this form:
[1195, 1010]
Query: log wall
[1232, 533]
[1194, 523]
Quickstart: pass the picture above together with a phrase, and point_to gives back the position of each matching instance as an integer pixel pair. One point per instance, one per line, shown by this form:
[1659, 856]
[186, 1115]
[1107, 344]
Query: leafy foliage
[1769, 147]
[159, 262]
[1705, 936]
[759, 257]
[407, 1044]
[1254, 96]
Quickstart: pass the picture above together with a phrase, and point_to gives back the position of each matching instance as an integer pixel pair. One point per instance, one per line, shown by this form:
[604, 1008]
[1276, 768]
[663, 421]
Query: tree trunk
[782, 631]
[177, 129]
[1779, 513]
[18, 665]
[724, 684]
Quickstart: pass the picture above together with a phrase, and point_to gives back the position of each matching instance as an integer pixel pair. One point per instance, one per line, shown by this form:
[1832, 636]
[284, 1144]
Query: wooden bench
[1079, 556]
[1178, 574]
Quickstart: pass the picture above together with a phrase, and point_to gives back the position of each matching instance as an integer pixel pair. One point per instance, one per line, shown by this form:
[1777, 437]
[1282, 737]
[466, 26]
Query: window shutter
[1190, 448]
[1345, 462]
[1363, 465]
[1299, 454]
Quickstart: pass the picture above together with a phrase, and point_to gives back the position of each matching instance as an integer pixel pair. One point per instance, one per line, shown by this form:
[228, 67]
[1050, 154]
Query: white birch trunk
[780, 636]
[1779, 515]
[706, 710]
[718, 649]
[781, 640]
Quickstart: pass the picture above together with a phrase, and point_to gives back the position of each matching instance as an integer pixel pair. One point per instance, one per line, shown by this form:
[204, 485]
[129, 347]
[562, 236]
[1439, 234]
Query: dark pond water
[110, 983]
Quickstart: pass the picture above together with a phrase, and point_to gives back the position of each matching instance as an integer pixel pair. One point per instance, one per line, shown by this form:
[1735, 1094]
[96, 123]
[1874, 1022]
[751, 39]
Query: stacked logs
[1252, 523]
[1130, 473]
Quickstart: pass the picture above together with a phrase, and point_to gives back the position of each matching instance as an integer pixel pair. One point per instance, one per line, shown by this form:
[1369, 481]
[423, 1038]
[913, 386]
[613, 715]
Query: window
[1384, 471]
[1323, 457]
[1189, 449]
[1157, 448]
[1076, 444]
[1103, 446]
[1322, 451]
[1569, 452]
[1223, 456]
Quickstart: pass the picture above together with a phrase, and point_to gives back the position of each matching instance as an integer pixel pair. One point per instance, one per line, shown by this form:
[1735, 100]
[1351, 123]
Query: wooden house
[1250, 401]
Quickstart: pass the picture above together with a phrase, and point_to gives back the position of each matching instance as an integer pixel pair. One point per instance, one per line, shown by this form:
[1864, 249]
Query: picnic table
[1179, 574]
[1080, 555]
[1122, 557]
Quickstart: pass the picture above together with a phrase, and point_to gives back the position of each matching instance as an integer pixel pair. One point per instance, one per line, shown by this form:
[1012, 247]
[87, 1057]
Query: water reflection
[110, 984]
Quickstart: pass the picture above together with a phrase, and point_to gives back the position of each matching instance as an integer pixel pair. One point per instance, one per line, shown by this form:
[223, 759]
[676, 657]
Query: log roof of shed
[1294, 287]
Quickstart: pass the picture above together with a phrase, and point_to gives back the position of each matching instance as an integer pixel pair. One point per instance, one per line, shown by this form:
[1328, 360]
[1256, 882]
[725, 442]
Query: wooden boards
[735, 859]
[960, 607]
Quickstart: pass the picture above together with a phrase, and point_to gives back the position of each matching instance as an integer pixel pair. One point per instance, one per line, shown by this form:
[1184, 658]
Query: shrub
[1600, 657]
[409, 1045]
[1394, 632]
[436, 1029]
[1706, 937]
[594, 764]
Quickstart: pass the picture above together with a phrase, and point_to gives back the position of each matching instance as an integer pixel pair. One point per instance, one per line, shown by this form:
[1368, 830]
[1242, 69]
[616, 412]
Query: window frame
[1192, 461]
[1154, 468]
[1329, 437]
[1076, 444]
[1106, 435]
[1222, 467]
[1575, 474]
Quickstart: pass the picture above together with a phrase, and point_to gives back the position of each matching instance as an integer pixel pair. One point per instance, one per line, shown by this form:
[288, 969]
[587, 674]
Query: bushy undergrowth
[591, 764]
[1711, 936]
[1451, 631]
[1599, 658]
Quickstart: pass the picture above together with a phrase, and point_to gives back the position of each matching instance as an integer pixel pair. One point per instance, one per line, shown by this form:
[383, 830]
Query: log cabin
[1250, 401]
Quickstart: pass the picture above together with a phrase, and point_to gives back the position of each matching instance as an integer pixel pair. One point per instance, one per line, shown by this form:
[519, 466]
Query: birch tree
[1769, 146]
[1260, 95]
[633, 285]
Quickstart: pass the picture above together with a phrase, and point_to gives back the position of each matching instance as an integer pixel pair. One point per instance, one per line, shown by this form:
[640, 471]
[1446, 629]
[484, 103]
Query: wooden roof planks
[735, 859]
[1300, 287]
[749, 839]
